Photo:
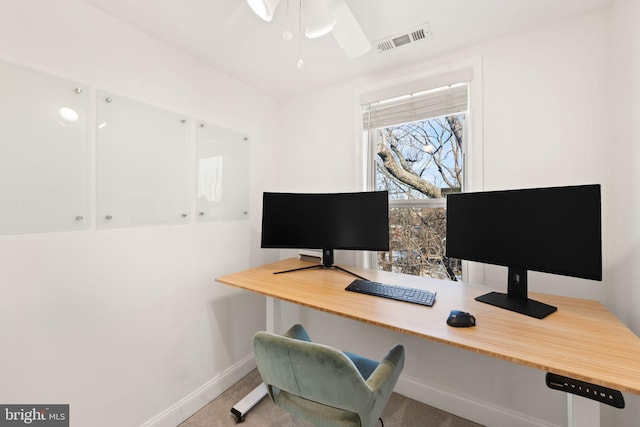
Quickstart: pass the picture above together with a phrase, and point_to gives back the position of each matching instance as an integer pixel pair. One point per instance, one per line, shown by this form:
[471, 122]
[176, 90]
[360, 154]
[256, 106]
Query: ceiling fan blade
[347, 31]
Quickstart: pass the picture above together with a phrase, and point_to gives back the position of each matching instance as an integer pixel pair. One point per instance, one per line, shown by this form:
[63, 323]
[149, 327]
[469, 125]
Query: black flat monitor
[326, 221]
[552, 230]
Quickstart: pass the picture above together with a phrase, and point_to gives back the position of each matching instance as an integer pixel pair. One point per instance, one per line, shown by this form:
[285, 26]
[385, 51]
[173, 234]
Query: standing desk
[582, 340]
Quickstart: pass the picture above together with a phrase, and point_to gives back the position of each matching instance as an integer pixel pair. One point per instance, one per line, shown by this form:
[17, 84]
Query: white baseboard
[194, 401]
[467, 407]
[461, 405]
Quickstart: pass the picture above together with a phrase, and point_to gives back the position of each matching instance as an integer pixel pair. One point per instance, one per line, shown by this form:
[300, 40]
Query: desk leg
[273, 315]
[241, 408]
[583, 412]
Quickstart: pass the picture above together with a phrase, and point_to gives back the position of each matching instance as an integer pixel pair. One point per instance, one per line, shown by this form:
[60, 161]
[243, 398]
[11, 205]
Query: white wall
[545, 122]
[127, 324]
[622, 148]
[545, 110]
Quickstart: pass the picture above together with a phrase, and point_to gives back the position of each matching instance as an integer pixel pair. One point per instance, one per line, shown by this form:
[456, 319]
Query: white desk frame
[241, 408]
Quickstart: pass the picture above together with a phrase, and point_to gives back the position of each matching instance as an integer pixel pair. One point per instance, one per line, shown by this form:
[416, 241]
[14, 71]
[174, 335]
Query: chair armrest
[386, 374]
[382, 381]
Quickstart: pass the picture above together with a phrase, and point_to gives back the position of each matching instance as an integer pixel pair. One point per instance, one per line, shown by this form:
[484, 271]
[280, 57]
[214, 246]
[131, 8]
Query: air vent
[421, 32]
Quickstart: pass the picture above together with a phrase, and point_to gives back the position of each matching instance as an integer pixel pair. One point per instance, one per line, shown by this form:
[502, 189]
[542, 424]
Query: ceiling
[227, 34]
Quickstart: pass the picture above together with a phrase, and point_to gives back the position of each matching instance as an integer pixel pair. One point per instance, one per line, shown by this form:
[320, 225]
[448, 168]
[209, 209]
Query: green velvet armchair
[324, 386]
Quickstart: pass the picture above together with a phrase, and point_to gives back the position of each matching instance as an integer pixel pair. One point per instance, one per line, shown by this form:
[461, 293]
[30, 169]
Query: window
[417, 153]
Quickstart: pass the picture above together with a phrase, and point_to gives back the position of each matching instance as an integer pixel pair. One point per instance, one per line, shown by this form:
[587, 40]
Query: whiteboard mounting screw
[109, 99]
[78, 90]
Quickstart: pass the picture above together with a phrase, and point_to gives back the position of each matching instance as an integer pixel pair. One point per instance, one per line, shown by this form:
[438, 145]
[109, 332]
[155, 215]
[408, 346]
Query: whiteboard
[222, 169]
[142, 164]
[44, 152]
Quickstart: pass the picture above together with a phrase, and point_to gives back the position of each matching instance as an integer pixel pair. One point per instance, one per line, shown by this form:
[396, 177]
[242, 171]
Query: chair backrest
[312, 371]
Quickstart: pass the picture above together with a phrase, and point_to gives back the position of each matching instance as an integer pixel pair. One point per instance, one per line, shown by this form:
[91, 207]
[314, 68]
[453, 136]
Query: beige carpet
[400, 411]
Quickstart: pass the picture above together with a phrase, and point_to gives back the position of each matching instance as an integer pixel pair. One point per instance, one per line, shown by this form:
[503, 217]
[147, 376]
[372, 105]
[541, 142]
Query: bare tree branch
[411, 179]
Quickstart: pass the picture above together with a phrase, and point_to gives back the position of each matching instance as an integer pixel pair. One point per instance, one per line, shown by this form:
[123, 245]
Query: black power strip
[599, 393]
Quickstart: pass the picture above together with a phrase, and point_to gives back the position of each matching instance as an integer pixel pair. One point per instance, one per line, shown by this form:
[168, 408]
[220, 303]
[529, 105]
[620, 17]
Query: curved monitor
[553, 230]
[327, 221]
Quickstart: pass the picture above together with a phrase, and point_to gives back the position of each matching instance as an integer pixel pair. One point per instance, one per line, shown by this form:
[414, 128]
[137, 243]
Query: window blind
[433, 103]
[433, 97]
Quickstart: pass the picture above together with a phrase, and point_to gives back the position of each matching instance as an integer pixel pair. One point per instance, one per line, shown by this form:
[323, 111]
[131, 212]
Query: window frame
[473, 158]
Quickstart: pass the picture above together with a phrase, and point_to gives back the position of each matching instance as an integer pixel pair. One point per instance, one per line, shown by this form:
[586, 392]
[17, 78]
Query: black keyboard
[399, 293]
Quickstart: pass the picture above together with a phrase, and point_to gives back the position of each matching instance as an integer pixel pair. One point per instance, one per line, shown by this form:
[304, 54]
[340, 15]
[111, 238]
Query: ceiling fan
[322, 17]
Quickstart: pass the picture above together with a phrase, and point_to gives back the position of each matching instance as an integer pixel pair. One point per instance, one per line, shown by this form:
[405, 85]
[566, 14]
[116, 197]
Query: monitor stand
[516, 299]
[327, 262]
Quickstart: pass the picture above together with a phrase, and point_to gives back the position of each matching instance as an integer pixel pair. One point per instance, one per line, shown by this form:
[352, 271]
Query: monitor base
[529, 307]
[322, 266]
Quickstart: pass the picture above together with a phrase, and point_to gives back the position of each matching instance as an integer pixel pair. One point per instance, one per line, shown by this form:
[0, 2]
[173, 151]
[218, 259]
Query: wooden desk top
[582, 340]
